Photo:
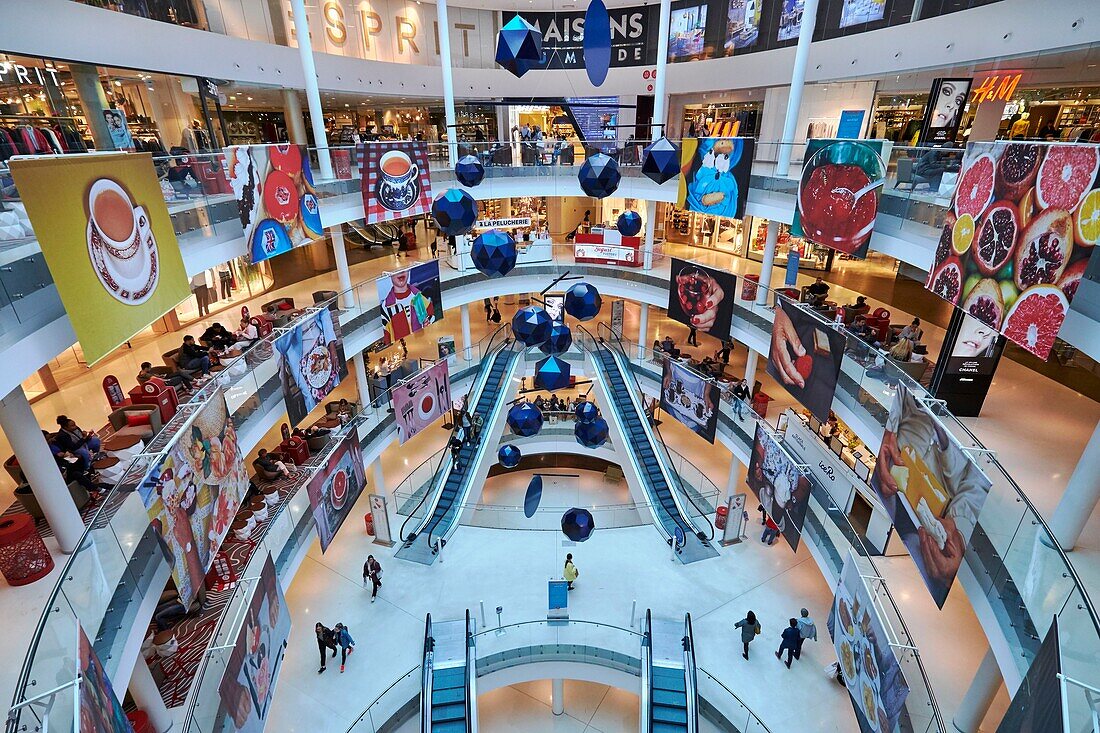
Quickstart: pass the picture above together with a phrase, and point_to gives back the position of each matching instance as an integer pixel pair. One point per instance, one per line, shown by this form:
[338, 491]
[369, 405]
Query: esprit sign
[19, 74]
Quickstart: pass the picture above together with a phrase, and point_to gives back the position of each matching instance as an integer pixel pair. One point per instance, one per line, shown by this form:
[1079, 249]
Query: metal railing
[647, 674]
[691, 682]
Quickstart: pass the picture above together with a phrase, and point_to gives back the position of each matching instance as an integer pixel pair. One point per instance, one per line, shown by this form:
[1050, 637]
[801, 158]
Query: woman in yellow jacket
[570, 573]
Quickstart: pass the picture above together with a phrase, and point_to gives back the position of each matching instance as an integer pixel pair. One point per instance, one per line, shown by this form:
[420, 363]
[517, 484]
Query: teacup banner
[396, 180]
[278, 205]
[104, 229]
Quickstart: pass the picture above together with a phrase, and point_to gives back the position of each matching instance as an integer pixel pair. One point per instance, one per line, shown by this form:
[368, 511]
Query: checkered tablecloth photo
[369, 155]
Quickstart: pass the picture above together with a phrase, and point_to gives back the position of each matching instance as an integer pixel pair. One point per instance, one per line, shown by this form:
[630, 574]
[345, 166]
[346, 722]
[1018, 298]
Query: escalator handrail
[471, 676]
[426, 676]
[613, 338]
[647, 674]
[691, 683]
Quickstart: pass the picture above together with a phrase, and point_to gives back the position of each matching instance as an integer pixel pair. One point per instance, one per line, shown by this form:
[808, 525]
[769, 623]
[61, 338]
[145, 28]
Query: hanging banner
[701, 297]
[105, 232]
[336, 487]
[805, 357]
[618, 308]
[715, 175]
[311, 363]
[411, 300]
[1038, 703]
[779, 485]
[943, 113]
[421, 400]
[276, 200]
[99, 710]
[248, 683]
[396, 180]
[691, 398]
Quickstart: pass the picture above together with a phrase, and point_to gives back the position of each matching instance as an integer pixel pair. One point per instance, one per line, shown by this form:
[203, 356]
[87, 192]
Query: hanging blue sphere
[519, 46]
[494, 253]
[531, 325]
[524, 419]
[583, 302]
[629, 223]
[469, 171]
[586, 412]
[455, 211]
[509, 455]
[577, 524]
[552, 374]
[661, 161]
[591, 434]
[561, 338]
[599, 176]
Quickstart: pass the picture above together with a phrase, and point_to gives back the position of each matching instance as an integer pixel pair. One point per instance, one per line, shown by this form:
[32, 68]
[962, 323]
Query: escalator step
[448, 712]
[668, 679]
[670, 698]
[449, 677]
[661, 727]
[451, 726]
[448, 695]
[661, 713]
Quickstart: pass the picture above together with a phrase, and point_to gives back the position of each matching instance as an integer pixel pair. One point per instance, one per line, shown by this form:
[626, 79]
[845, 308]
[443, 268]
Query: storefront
[811, 257]
[722, 119]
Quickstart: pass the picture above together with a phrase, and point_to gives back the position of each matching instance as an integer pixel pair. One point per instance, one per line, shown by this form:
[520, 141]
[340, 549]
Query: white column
[1080, 497]
[770, 241]
[750, 368]
[295, 120]
[313, 94]
[464, 311]
[343, 273]
[38, 465]
[448, 82]
[798, 81]
[643, 330]
[650, 233]
[361, 379]
[147, 696]
[660, 101]
[979, 696]
[557, 696]
[379, 479]
[736, 478]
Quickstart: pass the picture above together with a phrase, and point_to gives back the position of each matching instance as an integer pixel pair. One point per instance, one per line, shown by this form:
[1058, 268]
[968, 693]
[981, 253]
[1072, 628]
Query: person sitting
[912, 332]
[819, 291]
[859, 308]
[861, 329]
[271, 468]
[345, 410]
[246, 336]
[667, 344]
[169, 376]
[540, 403]
[217, 337]
[193, 357]
[73, 468]
[82, 443]
[555, 404]
[657, 350]
[902, 350]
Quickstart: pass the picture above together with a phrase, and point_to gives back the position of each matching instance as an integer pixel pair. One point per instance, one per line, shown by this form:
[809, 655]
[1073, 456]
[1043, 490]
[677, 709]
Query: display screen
[687, 32]
[742, 24]
[856, 12]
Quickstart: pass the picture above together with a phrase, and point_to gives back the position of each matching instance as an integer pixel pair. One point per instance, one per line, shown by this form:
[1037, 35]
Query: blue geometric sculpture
[599, 176]
[533, 497]
[494, 253]
[577, 524]
[455, 211]
[469, 171]
[661, 161]
[519, 46]
[531, 325]
[597, 42]
[629, 223]
[525, 419]
[583, 302]
[552, 374]
[587, 412]
[591, 434]
[509, 455]
[561, 338]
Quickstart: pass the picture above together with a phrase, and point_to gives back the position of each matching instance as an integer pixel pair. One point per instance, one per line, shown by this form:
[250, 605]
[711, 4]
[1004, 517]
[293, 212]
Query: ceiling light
[249, 99]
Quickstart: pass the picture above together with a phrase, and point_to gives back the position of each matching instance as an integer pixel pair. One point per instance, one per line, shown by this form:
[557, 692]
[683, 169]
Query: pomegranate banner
[396, 180]
[839, 192]
[701, 297]
[1022, 225]
[422, 400]
[805, 357]
[334, 489]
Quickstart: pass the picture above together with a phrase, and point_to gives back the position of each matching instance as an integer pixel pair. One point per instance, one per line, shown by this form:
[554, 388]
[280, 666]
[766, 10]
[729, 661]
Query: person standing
[791, 642]
[435, 245]
[771, 531]
[570, 572]
[488, 309]
[372, 571]
[347, 644]
[741, 395]
[750, 627]
[724, 354]
[326, 639]
[693, 336]
[806, 630]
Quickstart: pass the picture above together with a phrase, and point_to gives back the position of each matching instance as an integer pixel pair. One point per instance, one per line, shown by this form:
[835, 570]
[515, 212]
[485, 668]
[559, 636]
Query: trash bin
[23, 556]
[720, 518]
[760, 402]
[749, 287]
[368, 519]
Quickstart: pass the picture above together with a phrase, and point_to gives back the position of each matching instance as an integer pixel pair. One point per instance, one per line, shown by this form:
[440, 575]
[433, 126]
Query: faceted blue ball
[519, 46]
[524, 419]
[587, 412]
[661, 161]
[469, 171]
[509, 455]
[552, 374]
[583, 302]
[629, 223]
[577, 524]
[591, 434]
[531, 325]
[494, 253]
[455, 211]
[561, 338]
[599, 176]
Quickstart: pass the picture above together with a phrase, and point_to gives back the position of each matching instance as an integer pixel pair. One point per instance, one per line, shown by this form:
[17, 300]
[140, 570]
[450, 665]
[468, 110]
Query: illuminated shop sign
[997, 87]
[13, 73]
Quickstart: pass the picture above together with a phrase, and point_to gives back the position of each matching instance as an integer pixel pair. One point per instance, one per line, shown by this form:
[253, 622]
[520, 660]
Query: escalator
[448, 694]
[449, 486]
[670, 695]
[653, 470]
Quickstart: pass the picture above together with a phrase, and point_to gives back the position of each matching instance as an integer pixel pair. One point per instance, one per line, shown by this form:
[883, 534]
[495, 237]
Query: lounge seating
[145, 418]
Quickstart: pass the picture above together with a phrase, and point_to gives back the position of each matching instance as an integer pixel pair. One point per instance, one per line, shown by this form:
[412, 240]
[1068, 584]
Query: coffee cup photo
[121, 244]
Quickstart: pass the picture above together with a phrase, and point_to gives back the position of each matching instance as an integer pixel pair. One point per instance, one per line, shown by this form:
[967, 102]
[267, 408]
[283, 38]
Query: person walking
[750, 628]
[790, 642]
[347, 644]
[693, 336]
[806, 630]
[741, 395]
[570, 572]
[372, 570]
[435, 245]
[326, 639]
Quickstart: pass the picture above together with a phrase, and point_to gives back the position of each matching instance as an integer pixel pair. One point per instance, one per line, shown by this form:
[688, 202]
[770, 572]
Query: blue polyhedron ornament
[599, 176]
[577, 524]
[509, 455]
[494, 253]
[629, 223]
[519, 46]
[552, 374]
[587, 412]
[661, 161]
[455, 211]
[583, 302]
[525, 419]
[469, 171]
[531, 325]
[591, 434]
[561, 338]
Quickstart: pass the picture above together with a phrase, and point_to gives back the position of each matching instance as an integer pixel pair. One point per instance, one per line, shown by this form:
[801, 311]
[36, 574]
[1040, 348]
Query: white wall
[818, 101]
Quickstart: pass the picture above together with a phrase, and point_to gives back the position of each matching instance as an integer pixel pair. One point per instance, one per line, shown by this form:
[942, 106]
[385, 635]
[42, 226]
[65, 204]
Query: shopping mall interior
[688, 336]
